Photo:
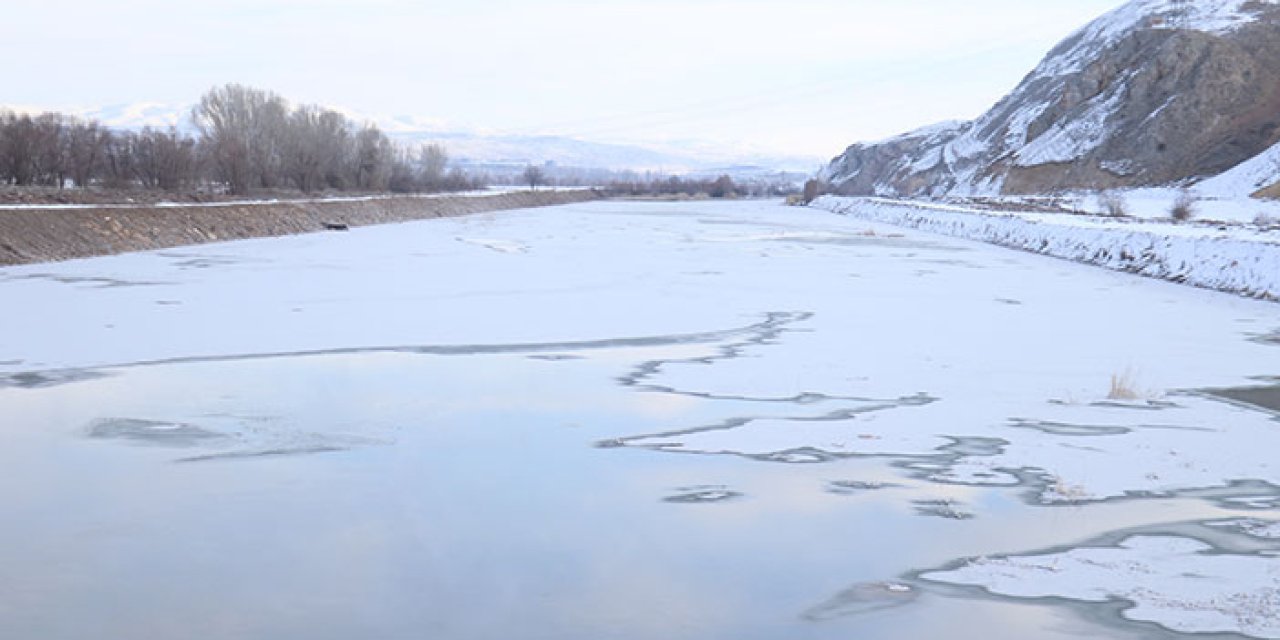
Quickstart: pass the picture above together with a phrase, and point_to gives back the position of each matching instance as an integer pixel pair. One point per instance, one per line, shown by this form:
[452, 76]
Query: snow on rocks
[1242, 262]
[1210, 16]
[1070, 140]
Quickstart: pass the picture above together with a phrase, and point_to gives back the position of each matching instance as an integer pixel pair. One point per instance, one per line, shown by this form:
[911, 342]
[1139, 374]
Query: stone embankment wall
[49, 234]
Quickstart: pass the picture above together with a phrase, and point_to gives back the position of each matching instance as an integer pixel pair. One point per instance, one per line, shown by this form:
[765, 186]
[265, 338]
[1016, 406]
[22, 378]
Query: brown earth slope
[43, 235]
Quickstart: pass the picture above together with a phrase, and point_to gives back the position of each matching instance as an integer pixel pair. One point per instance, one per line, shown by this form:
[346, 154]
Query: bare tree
[5, 117]
[304, 157]
[723, 187]
[337, 147]
[374, 159]
[17, 145]
[223, 119]
[119, 162]
[31, 149]
[242, 129]
[269, 132]
[49, 169]
[533, 176]
[432, 163]
[20, 148]
[316, 148]
[404, 176]
[164, 159]
[84, 147]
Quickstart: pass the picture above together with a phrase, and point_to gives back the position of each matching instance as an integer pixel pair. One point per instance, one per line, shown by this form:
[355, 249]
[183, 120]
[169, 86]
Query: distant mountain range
[1154, 93]
[508, 150]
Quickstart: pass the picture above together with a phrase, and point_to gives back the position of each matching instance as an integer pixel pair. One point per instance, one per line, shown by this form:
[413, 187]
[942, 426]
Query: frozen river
[632, 421]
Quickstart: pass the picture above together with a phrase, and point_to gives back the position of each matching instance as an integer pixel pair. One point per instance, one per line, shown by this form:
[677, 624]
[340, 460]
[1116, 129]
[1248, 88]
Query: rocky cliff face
[1153, 93]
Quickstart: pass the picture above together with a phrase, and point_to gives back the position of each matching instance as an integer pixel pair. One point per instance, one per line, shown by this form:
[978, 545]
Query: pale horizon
[802, 79]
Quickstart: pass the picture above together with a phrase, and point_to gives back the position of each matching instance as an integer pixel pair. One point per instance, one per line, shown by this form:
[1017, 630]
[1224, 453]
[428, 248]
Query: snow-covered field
[1236, 258]
[730, 412]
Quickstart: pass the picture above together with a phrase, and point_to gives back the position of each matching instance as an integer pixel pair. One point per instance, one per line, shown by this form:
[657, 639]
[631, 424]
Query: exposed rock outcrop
[1156, 92]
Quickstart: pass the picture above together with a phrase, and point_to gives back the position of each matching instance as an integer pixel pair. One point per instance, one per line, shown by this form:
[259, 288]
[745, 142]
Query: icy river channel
[630, 420]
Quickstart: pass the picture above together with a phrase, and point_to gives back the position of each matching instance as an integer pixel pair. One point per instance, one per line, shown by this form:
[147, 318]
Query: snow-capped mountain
[157, 115]
[1155, 92]
[693, 157]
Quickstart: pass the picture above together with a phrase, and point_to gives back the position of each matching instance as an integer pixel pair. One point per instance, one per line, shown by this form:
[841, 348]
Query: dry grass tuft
[1067, 492]
[1123, 387]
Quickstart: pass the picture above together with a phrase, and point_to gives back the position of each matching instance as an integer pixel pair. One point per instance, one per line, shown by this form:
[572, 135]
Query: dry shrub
[1113, 204]
[1184, 207]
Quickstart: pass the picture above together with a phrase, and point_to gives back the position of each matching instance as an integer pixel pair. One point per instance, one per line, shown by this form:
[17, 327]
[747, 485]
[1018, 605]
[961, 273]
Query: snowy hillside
[1153, 93]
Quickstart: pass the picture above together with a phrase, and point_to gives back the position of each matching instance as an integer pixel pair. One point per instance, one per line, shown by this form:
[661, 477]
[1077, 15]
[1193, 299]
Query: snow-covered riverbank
[1235, 259]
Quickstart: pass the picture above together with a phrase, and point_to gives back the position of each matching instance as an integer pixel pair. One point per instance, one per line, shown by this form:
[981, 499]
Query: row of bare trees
[254, 139]
[245, 140]
[56, 150]
[721, 187]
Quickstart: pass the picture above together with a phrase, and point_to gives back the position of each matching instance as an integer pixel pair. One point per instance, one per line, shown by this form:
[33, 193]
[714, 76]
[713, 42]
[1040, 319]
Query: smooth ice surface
[613, 419]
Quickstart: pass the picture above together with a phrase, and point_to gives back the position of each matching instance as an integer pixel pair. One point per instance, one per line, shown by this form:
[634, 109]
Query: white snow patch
[1175, 582]
[1154, 203]
[1120, 451]
[1258, 172]
[938, 129]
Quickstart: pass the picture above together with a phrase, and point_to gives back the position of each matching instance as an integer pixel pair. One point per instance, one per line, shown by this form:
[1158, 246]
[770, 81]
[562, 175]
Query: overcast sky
[796, 76]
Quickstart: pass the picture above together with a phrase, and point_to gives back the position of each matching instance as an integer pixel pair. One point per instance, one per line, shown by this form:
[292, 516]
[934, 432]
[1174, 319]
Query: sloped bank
[1235, 261]
[49, 234]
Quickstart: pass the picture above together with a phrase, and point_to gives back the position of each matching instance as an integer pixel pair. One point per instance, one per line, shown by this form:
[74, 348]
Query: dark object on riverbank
[336, 226]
